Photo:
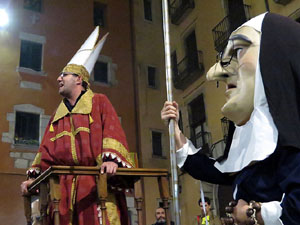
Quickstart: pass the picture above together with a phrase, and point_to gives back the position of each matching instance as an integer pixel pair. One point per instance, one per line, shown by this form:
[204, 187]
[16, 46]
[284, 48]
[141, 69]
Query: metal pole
[171, 124]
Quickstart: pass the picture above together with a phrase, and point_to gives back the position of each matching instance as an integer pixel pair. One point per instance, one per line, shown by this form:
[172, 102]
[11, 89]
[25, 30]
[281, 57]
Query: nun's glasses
[229, 55]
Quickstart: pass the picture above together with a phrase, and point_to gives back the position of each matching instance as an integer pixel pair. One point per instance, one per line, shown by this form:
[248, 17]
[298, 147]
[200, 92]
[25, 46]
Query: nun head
[236, 68]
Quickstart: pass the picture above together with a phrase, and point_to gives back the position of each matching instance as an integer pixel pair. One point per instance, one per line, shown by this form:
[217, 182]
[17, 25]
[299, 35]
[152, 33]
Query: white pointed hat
[85, 58]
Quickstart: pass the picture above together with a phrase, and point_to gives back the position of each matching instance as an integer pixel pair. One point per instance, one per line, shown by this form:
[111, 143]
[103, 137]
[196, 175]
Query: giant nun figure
[261, 69]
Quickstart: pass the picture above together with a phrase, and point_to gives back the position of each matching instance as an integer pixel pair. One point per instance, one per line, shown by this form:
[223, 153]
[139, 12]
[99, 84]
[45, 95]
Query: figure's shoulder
[100, 97]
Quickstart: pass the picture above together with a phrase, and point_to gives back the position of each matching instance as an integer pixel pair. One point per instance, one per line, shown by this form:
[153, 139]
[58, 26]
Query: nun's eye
[236, 52]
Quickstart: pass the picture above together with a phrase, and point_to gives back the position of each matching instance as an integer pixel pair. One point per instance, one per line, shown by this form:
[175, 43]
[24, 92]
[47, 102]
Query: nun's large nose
[217, 73]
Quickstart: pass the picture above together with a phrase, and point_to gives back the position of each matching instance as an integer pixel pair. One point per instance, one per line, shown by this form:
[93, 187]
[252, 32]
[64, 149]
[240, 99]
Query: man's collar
[83, 106]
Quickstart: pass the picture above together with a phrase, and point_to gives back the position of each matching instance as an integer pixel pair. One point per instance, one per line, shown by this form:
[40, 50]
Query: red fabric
[88, 147]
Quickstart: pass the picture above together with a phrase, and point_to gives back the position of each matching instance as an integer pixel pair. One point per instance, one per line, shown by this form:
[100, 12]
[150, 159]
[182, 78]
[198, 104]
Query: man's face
[207, 208]
[160, 215]
[237, 69]
[66, 83]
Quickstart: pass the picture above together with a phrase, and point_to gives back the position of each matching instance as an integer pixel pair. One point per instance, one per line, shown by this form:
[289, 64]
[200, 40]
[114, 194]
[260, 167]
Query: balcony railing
[221, 31]
[203, 140]
[188, 70]
[295, 15]
[179, 9]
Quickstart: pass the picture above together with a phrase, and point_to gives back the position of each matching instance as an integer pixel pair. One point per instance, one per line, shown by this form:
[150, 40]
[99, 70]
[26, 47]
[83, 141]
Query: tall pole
[171, 124]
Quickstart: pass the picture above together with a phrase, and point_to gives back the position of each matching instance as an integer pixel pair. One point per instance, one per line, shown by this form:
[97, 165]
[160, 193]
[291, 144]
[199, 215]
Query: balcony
[222, 31]
[282, 2]
[203, 140]
[179, 9]
[188, 70]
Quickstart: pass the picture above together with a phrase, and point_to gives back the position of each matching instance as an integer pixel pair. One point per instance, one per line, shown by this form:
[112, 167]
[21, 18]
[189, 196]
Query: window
[27, 128]
[156, 143]
[148, 10]
[104, 72]
[191, 52]
[34, 5]
[174, 64]
[99, 14]
[197, 118]
[15, 134]
[151, 71]
[101, 72]
[180, 122]
[31, 55]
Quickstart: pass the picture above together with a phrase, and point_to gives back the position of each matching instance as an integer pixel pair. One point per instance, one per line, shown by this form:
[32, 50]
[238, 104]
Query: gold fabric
[99, 160]
[72, 135]
[73, 199]
[37, 159]
[83, 106]
[79, 70]
[110, 143]
[111, 209]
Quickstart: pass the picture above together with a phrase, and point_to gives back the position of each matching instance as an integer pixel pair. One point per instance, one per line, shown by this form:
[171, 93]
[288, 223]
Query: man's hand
[170, 111]
[109, 168]
[25, 185]
[239, 212]
[240, 215]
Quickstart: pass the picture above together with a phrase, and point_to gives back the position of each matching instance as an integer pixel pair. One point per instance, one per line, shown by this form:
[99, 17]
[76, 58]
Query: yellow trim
[51, 129]
[73, 146]
[112, 211]
[134, 159]
[61, 112]
[99, 160]
[72, 135]
[91, 119]
[73, 199]
[37, 159]
[110, 143]
[83, 106]
[79, 70]
[67, 133]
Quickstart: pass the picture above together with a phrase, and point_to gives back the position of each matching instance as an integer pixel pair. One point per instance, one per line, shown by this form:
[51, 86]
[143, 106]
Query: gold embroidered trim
[51, 129]
[73, 199]
[85, 103]
[73, 146]
[37, 159]
[110, 143]
[79, 70]
[99, 160]
[111, 209]
[61, 135]
[83, 106]
[67, 133]
[72, 135]
[91, 119]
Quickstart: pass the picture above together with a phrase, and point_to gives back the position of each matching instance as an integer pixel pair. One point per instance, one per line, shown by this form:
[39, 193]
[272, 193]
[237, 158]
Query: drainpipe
[136, 102]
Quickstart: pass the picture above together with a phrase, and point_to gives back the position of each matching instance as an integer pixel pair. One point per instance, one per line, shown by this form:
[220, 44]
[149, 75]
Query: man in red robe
[84, 131]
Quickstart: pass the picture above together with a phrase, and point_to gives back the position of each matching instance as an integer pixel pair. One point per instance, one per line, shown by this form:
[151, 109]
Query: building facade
[41, 38]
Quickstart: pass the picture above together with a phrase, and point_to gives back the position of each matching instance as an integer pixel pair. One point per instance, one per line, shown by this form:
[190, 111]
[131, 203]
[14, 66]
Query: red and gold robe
[82, 137]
